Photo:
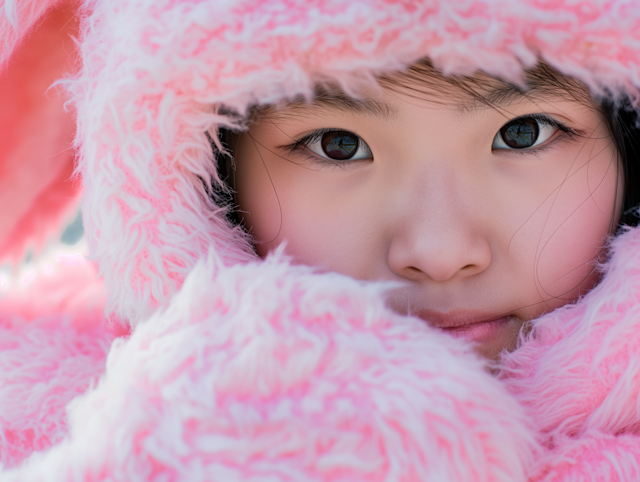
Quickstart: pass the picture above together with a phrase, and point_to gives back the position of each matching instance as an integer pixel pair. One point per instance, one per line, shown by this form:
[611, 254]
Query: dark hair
[221, 190]
[622, 121]
[620, 117]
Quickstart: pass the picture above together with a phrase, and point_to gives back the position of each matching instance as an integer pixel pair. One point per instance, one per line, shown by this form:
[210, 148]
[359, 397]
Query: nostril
[414, 273]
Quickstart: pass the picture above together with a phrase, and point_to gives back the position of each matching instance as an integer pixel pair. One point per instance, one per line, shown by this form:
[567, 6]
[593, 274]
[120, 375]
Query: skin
[473, 232]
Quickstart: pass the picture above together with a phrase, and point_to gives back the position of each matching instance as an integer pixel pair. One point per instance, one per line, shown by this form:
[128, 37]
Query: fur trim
[53, 345]
[43, 366]
[595, 457]
[269, 372]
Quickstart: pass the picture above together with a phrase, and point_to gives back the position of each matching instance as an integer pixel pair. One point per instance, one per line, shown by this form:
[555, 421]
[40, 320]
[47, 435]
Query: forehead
[463, 94]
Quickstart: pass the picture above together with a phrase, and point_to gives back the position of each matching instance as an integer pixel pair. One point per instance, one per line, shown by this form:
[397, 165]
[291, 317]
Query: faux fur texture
[269, 372]
[592, 457]
[54, 340]
[257, 370]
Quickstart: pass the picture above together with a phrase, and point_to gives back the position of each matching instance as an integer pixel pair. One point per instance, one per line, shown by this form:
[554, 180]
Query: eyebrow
[337, 100]
[495, 97]
[507, 94]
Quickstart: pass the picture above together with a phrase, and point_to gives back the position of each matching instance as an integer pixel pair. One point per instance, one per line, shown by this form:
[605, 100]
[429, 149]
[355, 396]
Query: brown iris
[339, 145]
[520, 133]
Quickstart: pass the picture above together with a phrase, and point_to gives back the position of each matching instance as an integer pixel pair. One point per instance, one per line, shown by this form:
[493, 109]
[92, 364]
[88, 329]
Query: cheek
[563, 239]
[256, 196]
[305, 207]
[327, 228]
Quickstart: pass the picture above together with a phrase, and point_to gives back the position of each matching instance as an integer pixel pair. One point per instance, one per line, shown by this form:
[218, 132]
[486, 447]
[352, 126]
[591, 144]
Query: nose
[437, 237]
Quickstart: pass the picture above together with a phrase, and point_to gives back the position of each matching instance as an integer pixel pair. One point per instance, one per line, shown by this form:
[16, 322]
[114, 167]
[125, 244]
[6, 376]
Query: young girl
[315, 215]
[491, 203]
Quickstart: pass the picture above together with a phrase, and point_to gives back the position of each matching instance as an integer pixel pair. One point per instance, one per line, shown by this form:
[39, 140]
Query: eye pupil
[520, 133]
[339, 145]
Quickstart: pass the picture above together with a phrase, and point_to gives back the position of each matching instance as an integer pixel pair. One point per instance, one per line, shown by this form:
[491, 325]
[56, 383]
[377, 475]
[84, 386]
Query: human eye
[527, 132]
[334, 145]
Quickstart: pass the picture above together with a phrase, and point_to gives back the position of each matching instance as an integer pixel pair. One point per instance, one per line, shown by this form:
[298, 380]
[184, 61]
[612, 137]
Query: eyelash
[300, 145]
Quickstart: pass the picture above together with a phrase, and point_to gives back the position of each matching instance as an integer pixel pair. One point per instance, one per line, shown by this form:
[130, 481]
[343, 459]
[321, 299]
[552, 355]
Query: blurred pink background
[38, 197]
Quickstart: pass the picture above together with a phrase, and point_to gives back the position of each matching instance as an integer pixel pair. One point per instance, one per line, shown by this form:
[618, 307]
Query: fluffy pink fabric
[270, 372]
[590, 458]
[53, 343]
[256, 370]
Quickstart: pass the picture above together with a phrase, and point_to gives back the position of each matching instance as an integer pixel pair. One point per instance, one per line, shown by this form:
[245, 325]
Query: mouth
[469, 326]
[481, 331]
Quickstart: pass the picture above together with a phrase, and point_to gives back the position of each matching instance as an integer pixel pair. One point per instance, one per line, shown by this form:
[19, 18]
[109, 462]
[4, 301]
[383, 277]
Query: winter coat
[172, 352]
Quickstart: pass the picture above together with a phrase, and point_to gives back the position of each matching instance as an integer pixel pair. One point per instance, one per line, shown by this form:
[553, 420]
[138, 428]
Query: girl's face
[491, 214]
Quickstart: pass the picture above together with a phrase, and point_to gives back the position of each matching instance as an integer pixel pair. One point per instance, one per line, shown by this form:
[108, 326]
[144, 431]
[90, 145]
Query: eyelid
[305, 140]
[546, 119]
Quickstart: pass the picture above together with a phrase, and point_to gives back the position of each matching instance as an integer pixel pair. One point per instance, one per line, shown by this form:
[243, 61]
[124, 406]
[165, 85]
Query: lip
[458, 318]
[470, 325]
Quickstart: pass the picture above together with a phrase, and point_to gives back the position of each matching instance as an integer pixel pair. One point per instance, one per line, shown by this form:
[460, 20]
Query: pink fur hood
[242, 369]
